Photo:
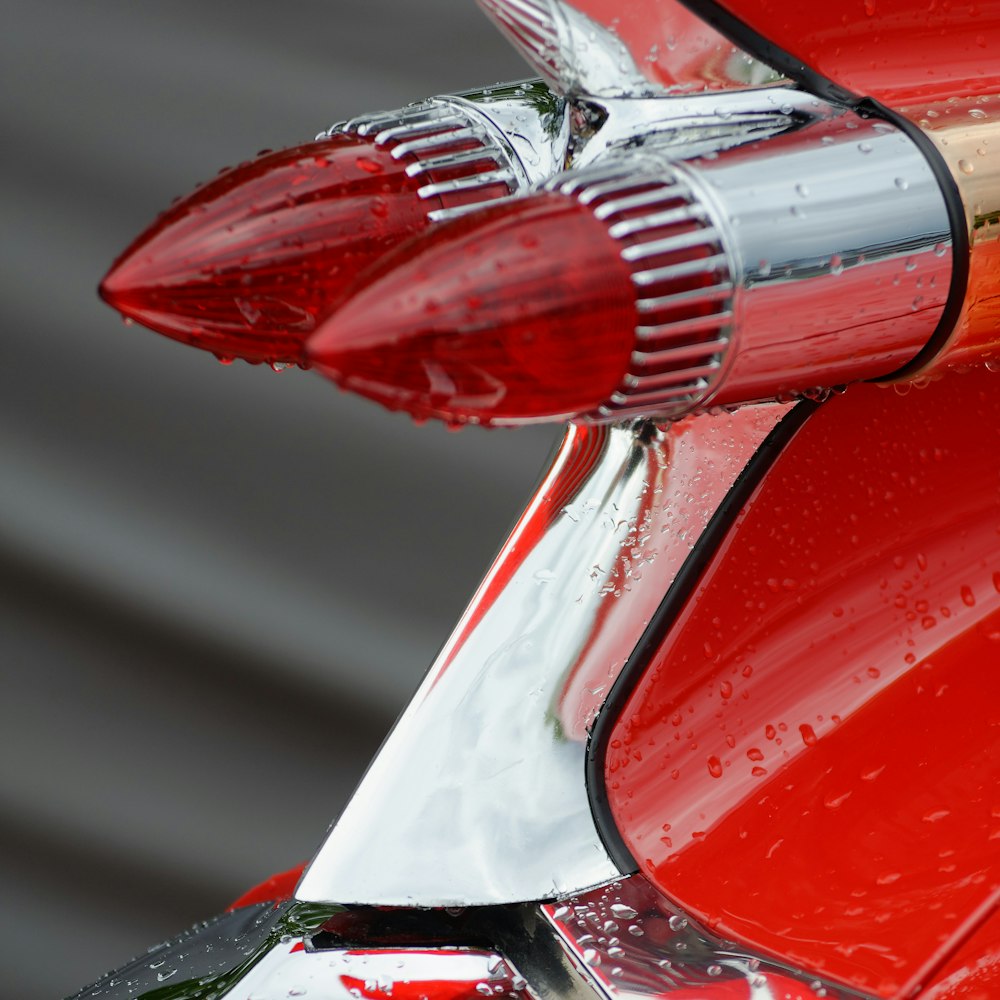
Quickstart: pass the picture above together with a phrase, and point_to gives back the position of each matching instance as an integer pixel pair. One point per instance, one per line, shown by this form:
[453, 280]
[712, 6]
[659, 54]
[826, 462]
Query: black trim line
[664, 617]
[960, 247]
[747, 38]
[750, 40]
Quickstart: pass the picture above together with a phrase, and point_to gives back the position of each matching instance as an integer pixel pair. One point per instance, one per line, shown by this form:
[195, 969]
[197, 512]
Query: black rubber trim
[960, 247]
[665, 616]
[741, 34]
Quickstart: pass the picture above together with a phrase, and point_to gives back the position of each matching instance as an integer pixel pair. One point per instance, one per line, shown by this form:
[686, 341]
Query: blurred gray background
[219, 585]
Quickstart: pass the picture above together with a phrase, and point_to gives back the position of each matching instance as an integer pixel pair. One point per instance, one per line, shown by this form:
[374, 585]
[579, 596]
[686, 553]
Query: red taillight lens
[522, 311]
[248, 264]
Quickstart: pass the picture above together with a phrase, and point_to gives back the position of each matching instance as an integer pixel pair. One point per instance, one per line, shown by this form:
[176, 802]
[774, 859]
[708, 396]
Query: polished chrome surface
[579, 55]
[805, 247]
[668, 237]
[478, 795]
[574, 53]
[521, 128]
[635, 946]
[294, 969]
[842, 235]
[529, 119]
[689, 125]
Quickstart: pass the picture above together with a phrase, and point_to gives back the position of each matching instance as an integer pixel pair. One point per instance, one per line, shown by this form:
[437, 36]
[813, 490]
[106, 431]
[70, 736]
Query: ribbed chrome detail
[531, 28]
[448, 147]
[683, 283]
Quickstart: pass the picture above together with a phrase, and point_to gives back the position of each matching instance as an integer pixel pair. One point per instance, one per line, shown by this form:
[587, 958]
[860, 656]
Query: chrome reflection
[294, 969]
[520, 129]
[478, 795]
[635, 946]
[648, 47]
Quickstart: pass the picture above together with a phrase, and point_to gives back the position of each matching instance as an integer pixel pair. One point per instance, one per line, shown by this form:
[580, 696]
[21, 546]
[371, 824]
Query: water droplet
[966, 167]
[623, 912]
[726, 689]
[715, 767]
[635, 930]
[677, 923]
[836, 264]
[834, 801]
[935, 815]
[714, 970]
[368, 165]
[754, 754]
[865, 147]
[802, 191]
[977, 113]
[808, 734]
[902, 183]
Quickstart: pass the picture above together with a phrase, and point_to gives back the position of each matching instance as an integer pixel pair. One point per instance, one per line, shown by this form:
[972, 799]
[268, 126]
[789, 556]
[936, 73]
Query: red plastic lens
[249, 264]
[519, 312]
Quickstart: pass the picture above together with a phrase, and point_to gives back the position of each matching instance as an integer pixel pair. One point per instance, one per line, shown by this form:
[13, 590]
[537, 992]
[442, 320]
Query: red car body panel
[881, 48]
[809, 762]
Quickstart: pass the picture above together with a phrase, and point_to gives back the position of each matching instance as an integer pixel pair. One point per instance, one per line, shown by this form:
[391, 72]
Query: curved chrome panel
[522, 128]
[478, 795]
[809, 248]
[293, 969]
[635, 946]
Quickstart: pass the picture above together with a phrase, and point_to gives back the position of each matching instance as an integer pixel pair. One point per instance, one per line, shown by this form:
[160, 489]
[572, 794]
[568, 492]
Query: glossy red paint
[810, 763]
[518, 312]
[249, 264]
[275, 889]
[973, 972]
[893, 50]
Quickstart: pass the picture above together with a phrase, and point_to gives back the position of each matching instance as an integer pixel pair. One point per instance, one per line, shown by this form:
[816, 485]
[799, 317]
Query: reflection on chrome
[580, 50]
[635, 946]
[293, 969]
[478, 796]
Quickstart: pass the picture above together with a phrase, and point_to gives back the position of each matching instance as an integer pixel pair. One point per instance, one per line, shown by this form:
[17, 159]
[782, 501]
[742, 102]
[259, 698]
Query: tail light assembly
[648, 284]
[249, 264]
[639, 245]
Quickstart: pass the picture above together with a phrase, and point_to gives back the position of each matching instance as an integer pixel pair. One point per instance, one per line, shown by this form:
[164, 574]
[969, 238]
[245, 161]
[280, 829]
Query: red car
[721, 720]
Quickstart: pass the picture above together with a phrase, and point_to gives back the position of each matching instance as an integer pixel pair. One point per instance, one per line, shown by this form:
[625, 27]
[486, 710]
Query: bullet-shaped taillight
[644, 285]
[249, 264]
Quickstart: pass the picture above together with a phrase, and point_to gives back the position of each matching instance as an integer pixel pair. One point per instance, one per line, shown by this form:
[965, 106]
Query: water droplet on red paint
[715, 767]
[754, 754]
[726, 689]
[874, 672]
[808, 734]
[770, 732]
[835, 800]
[365, 163]
[758, 772]
[968, 598]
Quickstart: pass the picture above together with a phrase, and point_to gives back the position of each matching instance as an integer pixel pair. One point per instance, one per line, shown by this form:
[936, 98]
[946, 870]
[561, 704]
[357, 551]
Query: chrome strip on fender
[478, 795]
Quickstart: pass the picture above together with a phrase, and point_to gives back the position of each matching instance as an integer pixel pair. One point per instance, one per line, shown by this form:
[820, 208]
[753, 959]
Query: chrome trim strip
[293, 969]
[478, 795]
[634, 945]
